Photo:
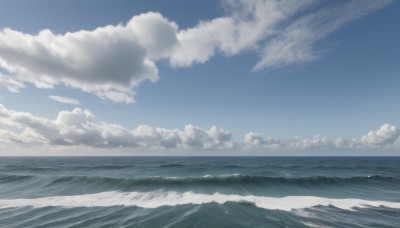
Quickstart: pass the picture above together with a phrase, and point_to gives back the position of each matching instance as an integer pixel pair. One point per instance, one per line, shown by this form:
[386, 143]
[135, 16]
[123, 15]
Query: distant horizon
[204, 156]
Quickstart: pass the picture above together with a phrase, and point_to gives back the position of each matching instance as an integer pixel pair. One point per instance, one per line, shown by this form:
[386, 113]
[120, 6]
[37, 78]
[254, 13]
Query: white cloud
[341, 142]
[65, 100]
[317, 141]
[155, 33]
[214, 138]
[10, 83]
[255, 140]
[78, 127]
[386, 135]
[109, 61]
[248, 23]
[113, 60]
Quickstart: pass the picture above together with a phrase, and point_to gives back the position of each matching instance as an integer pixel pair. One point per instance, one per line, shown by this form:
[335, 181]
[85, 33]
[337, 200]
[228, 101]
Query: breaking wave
[156, 199]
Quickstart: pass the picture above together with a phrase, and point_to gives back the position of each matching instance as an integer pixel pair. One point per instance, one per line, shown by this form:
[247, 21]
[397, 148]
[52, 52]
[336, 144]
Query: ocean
[199, 192]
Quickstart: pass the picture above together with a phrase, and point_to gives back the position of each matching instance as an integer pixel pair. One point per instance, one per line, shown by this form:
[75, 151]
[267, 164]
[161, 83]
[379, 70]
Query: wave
[67, 167]
[207, 180]
[172, 166]
[157, 199]
[224, 181]
[6, 178]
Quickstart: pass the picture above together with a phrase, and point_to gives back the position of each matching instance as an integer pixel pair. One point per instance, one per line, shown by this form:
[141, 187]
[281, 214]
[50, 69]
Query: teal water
[199, 192]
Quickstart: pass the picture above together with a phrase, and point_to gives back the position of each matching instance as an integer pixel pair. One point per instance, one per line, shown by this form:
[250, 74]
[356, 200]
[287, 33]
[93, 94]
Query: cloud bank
[111, 61]
[386, 137]
[79, 128]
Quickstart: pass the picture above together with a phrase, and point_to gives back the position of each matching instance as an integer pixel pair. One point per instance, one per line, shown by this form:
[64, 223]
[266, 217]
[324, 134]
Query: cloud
[295, 44]
[79, 128]
[285, 32]
[155, 33]
[386, 135]
[64, 100]
[317, 141]
[34, 130]
[255, 140]
[248, 23]
[10, 83]
[111, 61]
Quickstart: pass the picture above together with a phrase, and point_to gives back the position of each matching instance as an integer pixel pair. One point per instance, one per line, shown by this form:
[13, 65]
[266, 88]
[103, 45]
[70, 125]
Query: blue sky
[199, 77]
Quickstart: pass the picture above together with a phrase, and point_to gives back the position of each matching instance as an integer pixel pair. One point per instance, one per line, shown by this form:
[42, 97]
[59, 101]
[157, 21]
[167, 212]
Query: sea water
[200, 192]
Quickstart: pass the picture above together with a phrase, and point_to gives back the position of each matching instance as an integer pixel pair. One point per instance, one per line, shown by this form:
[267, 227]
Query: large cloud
[78, 127]
[111, 61]
[108, 61]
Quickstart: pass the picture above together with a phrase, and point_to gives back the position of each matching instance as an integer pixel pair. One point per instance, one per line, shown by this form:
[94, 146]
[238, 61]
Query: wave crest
[207, 180]
[156, 199]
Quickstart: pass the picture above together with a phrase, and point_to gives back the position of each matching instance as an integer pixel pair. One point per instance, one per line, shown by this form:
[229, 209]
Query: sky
[218, 77]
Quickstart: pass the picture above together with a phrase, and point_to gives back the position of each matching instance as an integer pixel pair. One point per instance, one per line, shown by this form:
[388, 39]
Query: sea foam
[156, 199]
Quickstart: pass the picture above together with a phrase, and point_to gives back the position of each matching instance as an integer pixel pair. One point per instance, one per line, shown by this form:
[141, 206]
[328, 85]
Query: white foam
[160, 198]
[229, 175]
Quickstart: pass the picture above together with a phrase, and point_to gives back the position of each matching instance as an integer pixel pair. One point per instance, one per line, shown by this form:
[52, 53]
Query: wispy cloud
[295, 44]
[10, 83]
[246, 26]
[65, 100]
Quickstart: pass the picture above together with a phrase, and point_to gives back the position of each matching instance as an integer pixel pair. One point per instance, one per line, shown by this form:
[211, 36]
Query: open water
[200, 192]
